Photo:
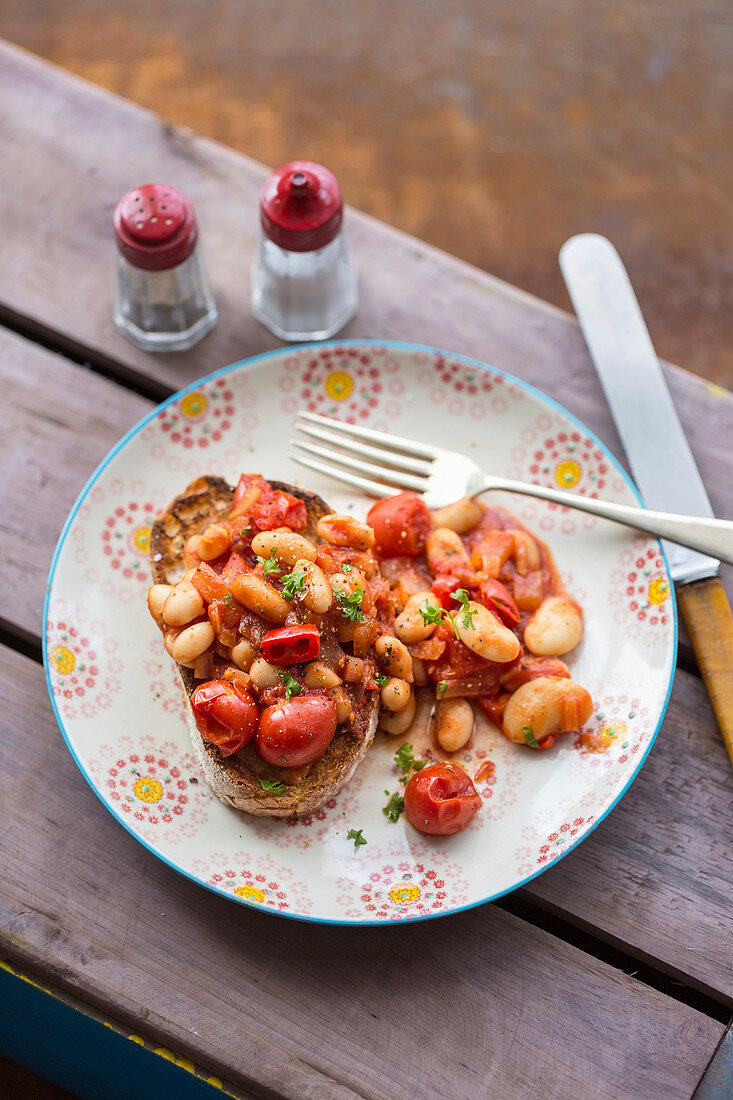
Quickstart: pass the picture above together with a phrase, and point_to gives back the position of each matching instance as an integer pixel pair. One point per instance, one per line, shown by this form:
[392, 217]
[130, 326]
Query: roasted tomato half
[268, 507]
[226, 714]
[401, 525]
[440, 800]
[296, 732]
[497, 597]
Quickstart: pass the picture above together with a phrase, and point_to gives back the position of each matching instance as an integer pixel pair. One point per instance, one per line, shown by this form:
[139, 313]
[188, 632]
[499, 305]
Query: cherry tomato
[497, 597]
[442, 587]
[441, 800]
[296, 732]
[226, 714]
[288, 645]
[401, 525]
[268, 507]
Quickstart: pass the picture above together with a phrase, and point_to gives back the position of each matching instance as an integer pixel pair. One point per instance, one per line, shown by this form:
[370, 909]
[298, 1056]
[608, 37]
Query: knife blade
[632, 380]
[656, 447]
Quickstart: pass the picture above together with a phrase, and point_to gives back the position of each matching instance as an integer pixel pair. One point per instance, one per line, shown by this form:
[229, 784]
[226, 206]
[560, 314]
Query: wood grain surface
[284, 1008]
[483, 1004]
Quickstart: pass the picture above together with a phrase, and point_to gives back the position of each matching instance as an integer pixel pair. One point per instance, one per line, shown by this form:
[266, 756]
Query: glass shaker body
[164, 310]
[162, 298]
[303, 285]
[303, 295]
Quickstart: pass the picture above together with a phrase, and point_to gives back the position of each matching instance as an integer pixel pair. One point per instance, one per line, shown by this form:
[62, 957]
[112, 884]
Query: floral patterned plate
[115, 693]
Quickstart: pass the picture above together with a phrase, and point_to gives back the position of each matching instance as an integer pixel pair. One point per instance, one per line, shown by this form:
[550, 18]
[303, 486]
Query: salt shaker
[162, 300]
[303, 286]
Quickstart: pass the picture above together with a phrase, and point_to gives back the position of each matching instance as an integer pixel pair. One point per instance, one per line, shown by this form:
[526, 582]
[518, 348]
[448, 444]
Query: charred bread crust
[236, 779]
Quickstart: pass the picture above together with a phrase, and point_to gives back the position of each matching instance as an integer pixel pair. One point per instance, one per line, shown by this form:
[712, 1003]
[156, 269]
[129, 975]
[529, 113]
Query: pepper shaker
[303, 285]
[162, 299]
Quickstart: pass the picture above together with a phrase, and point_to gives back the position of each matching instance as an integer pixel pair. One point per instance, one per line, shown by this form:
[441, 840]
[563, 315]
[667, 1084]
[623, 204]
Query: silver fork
[380, 465]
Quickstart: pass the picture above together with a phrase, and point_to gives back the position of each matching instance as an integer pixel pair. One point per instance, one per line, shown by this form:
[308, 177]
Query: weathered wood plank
[311, 1010]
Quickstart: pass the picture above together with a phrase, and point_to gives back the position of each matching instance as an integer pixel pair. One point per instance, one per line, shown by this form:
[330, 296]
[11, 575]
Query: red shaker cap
[155, 227]
[300, 206]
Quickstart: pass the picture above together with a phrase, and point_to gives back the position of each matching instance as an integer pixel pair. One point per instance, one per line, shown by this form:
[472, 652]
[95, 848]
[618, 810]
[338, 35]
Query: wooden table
[609, 976]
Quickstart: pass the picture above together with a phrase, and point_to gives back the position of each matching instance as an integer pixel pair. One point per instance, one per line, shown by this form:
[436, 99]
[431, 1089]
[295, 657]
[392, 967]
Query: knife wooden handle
[707, 613]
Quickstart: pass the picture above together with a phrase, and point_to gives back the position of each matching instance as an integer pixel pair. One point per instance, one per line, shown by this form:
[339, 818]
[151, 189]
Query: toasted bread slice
[236, 779]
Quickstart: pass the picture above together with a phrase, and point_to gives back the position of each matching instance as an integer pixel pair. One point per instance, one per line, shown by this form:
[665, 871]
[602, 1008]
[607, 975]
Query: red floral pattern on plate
[157, 787]
[83, 662]
[255, 880]
[533, 857]
[640, 586]
[405, 888]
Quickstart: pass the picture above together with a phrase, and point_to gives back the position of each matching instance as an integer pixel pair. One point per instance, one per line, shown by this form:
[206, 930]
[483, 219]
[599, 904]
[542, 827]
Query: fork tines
[395, 463]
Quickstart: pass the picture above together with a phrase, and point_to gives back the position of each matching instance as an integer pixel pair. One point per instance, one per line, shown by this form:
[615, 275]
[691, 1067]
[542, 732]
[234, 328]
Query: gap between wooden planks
[664, 897]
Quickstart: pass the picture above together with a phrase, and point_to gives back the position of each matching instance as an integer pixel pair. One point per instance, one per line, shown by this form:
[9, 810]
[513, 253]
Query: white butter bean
[410, 627]
[555, 628]
[462, 516]
[286, 546]
[255, 593]
[346, 531]
[183, 605]
[263, 675]
[157, 595]
[484, 634]
[394, 657]
[454, 724]
[316, 592]
[192, 642]
[398, 722]
[396, 694]
[445, 551]
[544, 706]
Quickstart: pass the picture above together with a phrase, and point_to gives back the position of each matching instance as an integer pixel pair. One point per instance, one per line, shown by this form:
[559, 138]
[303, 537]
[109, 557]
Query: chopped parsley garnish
[349, 604]
[394, 807]
[269, 565]
[228, 598]
[346, 568]
[464, 599]
[292, 687]
[244, 532]
[438, 615]
[274, 786]
[381, 680]
[442, 688]
[292, 583]
[405, 758]
[356, 836]
[529, 737]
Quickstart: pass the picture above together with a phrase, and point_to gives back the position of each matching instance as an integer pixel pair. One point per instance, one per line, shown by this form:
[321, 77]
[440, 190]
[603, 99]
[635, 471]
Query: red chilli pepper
[289, 645]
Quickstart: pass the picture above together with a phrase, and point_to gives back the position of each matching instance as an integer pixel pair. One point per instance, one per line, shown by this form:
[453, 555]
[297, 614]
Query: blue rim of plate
[247, 364]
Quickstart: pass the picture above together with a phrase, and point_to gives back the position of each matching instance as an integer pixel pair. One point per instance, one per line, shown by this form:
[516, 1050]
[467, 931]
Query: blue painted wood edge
[88, 1056]
[717, 1080]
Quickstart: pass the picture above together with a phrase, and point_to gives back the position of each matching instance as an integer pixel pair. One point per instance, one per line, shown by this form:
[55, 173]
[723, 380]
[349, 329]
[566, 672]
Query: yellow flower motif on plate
[141, 539]
[193, 404]
[339, 385]
[610, 733]
[64, 660]
[568, 474]
[250, 893]
[404, 893]
[658, 591]
[148, 790]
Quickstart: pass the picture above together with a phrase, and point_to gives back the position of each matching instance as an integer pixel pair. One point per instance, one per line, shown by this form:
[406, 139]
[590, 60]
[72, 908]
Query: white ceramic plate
[115, 691]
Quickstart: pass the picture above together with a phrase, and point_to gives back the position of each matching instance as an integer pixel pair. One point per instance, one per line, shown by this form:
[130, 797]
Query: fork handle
[708, 536]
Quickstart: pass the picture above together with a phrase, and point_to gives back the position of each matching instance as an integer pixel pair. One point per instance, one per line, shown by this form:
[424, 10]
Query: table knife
[656, 447]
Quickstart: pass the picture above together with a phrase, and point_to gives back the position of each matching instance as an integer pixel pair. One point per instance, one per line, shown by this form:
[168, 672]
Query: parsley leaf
[228, 598]
[529, 737]
[405, 758]
[381, 680]
[244, 532]
[442, 688]
[292, 687]
[394, 807]
[292, 583]
[356, 836]
[463, 598]
[437, 615]
[274, 786]
[349, 604]
[346, 568]
[269, 565]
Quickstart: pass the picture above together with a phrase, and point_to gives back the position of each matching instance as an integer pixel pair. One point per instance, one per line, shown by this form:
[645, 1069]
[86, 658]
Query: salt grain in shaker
[162, 300]
[303, 286]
